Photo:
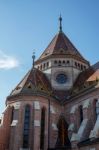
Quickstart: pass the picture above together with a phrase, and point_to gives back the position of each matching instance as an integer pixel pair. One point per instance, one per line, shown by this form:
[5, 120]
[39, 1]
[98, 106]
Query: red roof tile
[61, 45]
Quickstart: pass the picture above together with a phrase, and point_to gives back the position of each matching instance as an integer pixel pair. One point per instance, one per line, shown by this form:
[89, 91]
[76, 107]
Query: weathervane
[33, 57]
[60, 25]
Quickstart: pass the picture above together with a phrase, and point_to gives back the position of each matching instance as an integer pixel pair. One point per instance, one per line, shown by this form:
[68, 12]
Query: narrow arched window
[81, 67]
[97, 108]
[47, 64]
[26, 127]
[42, 132]
[55, 62]
[76, 64]
[59, 63]
[12, 115]
[81, 113]
[63, 61]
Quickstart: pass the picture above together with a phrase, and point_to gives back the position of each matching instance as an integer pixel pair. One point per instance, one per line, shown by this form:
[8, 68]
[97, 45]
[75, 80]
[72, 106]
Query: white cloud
[7, 62]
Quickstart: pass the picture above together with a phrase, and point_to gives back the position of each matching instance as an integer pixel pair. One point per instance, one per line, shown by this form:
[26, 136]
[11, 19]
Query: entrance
[62, 140]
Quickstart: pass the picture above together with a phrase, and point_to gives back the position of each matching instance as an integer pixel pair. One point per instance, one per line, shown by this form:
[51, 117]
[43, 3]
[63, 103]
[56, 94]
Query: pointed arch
[42, 132]
[62, 140]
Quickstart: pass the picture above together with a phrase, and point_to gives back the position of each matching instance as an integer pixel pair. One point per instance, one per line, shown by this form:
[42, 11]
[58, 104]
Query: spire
[33, 57]
[60, 23]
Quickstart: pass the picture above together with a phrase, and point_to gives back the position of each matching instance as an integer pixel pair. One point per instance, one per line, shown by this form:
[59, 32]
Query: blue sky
[26, 25]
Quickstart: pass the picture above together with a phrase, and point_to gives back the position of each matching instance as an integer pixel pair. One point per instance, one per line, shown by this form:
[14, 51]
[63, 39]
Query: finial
[60, 25]
[33, 57]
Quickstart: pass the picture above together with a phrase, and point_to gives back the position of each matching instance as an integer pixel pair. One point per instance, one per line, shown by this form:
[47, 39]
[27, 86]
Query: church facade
[56, 104]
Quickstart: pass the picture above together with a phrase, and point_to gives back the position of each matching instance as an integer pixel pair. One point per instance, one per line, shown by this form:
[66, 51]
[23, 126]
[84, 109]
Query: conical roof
[61, 45]
[34, 81]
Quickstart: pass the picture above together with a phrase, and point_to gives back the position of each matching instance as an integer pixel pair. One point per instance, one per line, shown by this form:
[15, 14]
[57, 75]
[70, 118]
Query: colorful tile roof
[34, 81]
[61, 45]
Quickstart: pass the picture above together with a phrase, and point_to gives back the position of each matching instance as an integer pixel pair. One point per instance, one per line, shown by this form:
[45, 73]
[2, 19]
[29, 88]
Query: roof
[61, 45]
[33, 82]
[90, 74]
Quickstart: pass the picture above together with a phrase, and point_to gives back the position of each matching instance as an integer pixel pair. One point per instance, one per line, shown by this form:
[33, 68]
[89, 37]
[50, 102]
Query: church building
[56, 104]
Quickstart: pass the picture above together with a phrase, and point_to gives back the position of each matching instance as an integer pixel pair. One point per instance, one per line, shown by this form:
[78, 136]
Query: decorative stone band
[36, 105]
[36, 123]
[14, 122]
[54, 126]
[16, 105]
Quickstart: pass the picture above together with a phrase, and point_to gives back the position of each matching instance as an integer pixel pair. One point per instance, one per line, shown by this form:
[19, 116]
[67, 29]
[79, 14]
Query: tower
[61, 61]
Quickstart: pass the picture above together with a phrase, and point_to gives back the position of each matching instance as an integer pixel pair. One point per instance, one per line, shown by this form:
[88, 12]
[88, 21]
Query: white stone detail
[14, 122]
[54, 126]
[36, 123]
[36, 105]
[52, 109]
[86, 103]
[2, 117]
[74, 137]
[16, 105]
[95, 132]
[71, 127]
[73, 109]
[82, 128]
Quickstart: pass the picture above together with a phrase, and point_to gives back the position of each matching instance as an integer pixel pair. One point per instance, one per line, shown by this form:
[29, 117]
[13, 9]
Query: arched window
[80, 114]
[44, 66]
[76, 64]
[97, 108]
[62, 140]
[12, 115]
[85, 67]
[63, 61]
[47, 64]
[42, 132]
[68, 62]
[55, 62]
[81, 67]
[59, 63]
[26, 127]
[41, 67]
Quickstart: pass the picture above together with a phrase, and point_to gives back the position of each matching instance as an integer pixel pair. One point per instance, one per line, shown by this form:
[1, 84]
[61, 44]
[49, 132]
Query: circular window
[61, 78]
